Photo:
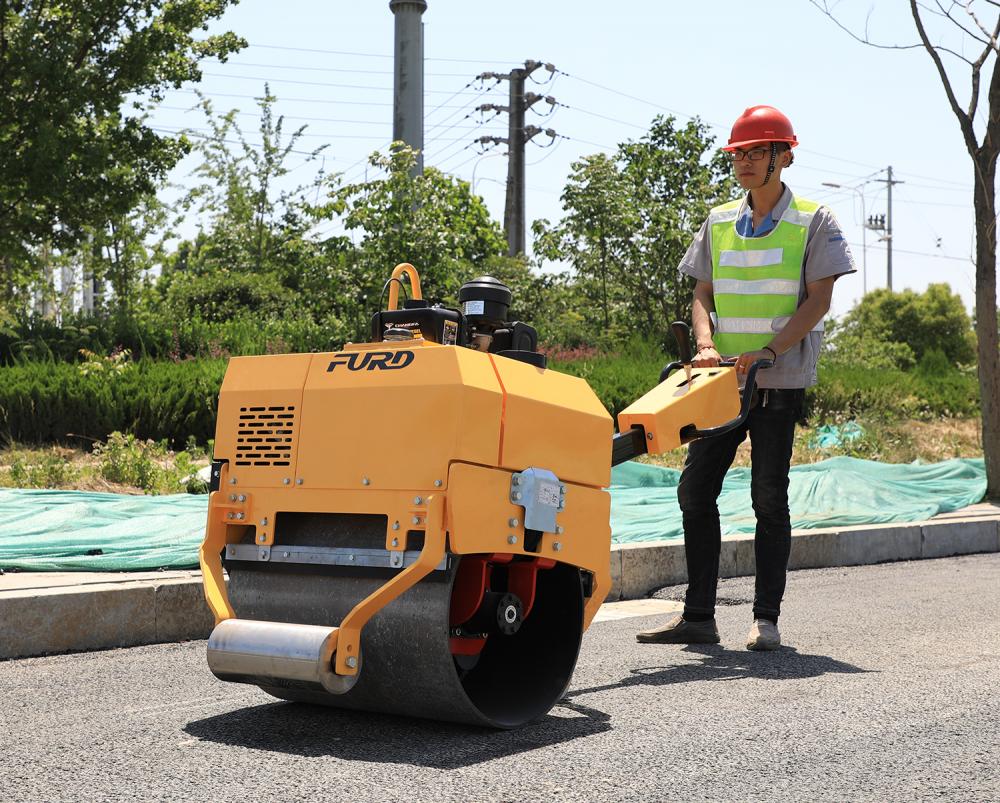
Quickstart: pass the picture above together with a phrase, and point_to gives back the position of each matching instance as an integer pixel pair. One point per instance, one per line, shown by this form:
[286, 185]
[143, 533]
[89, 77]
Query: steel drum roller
[408, 665]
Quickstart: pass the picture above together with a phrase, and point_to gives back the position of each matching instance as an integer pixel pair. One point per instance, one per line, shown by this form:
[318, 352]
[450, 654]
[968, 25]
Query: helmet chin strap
[770, 165]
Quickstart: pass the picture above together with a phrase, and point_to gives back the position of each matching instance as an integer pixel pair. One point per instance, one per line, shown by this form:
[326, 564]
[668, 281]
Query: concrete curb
[45, 613]
[115, 611]
[637, 569]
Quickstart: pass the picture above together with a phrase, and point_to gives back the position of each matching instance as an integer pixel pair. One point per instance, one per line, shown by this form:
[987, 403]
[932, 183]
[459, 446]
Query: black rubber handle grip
[682, 333]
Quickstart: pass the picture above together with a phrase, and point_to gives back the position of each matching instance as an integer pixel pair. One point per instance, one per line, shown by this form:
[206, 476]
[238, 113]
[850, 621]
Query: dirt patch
[899, 442]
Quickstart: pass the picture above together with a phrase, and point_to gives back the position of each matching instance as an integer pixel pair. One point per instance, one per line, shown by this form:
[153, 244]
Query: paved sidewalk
[53, 612]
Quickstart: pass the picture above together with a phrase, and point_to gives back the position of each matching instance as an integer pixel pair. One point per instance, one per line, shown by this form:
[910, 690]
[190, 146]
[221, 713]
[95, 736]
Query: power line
[966, 260]
[588, 142]
[198, 135]
[557, 143]
[190, 109]
[273, 80]
[480, 61]
[482, 92]
[304, 68]
[939, 189]
[602, 116]
[479, 126]
[183, 129]
[303, 100]
[369, 55]
[477, 155]
[710, 123]
[957, 186]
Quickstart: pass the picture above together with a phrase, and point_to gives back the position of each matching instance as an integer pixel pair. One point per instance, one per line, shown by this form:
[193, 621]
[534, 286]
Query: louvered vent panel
[266, 436]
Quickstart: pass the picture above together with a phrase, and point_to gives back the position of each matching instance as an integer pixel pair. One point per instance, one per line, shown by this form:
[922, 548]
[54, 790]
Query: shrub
[128, 460]
[47, 470]
[852, 391]
[621, 378]
[224, 295]
[890, 330]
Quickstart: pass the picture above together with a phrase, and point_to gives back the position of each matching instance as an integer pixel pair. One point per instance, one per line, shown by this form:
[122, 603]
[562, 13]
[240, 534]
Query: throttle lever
[682, 334]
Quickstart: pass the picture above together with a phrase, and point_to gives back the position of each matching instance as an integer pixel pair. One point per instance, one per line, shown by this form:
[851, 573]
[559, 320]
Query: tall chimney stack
[408, 81]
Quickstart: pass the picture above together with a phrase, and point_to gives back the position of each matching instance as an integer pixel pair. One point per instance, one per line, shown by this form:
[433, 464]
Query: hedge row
[856, 392]
[57, 403]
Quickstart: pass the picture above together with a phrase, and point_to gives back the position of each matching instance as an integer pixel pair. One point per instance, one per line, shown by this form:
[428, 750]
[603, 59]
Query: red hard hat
[761, 124]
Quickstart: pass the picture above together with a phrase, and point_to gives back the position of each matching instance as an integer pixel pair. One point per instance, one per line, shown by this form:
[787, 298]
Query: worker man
[764, 268]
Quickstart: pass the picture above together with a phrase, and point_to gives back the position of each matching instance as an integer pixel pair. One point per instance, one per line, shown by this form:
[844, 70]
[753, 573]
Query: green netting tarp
[76, 530]
[96, 532]
[838, 492]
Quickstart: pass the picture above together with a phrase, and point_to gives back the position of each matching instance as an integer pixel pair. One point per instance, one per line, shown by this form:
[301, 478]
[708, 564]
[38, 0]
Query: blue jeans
[771, 424]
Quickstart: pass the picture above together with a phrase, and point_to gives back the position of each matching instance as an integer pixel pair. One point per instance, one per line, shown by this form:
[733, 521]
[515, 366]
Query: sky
[856, 109]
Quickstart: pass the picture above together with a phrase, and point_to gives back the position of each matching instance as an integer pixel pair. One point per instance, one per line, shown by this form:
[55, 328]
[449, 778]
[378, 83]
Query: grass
[122, 464]
[895, 442]
[127, 465]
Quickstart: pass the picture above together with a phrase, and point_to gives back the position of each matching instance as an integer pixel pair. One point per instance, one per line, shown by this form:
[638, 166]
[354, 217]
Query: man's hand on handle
[745, 360]
[706, 357]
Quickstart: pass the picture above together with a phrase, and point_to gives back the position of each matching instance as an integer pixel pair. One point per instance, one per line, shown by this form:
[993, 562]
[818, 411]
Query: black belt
[777, 398]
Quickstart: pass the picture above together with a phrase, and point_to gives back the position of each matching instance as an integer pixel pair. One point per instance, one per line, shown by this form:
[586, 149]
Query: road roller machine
[420, 525]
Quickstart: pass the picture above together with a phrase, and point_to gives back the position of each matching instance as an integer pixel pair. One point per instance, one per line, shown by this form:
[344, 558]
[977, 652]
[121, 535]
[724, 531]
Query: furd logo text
[372, 361]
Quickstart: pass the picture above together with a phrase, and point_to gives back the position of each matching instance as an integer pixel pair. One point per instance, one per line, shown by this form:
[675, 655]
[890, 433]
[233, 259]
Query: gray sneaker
[680, 631]
[764, 635]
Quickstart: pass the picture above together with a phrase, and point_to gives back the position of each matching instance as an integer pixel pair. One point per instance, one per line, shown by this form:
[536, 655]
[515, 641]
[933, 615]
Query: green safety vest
[756, 280]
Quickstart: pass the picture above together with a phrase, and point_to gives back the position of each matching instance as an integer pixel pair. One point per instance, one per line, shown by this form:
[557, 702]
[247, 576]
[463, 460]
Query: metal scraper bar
[326, 556]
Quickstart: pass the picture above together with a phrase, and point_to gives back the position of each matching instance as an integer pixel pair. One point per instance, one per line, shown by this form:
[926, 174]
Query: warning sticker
[548, 494]
[449, 336]
[474, 307]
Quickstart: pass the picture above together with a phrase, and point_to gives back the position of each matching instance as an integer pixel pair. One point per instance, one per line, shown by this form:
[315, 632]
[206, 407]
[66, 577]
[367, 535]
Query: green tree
[76, 77]
[124, 250]
[594, 236]
[252, 224]
[630, 218]
[977, 28]
[677, 178]
[250, 216]
[432, 221]
[887, 329]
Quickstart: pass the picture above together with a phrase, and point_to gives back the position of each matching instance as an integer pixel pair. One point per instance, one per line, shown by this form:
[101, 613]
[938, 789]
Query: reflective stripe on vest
[756, 280]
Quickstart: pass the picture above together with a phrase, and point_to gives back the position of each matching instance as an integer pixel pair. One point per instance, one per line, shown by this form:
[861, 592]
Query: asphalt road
[889, 690]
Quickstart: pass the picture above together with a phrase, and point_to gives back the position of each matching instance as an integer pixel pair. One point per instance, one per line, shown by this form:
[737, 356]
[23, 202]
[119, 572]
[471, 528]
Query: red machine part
[474, 575]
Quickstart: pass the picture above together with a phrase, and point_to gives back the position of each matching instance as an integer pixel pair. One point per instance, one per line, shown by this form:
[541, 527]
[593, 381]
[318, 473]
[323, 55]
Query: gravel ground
[887, 691]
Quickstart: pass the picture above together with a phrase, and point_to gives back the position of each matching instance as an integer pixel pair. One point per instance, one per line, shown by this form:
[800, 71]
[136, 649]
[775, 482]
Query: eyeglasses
[754, 154]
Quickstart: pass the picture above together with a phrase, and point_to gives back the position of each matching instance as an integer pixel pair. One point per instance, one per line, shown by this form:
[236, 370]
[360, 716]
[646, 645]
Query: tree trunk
[986, 318]
[604, 281]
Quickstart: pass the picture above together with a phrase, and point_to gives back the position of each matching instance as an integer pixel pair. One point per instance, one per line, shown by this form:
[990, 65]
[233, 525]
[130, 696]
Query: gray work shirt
[827, 254]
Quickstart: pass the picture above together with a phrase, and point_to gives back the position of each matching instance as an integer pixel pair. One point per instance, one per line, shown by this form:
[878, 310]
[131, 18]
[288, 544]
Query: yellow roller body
[359, 489]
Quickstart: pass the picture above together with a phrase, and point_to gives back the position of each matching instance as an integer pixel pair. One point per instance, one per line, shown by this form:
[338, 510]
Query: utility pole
[513, 210]
[408, 77]
[518, 135]
[888, 226]
[877, 223]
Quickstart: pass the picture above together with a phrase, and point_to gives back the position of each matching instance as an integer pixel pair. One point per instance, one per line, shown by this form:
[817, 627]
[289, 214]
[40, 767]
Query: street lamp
[864, 230]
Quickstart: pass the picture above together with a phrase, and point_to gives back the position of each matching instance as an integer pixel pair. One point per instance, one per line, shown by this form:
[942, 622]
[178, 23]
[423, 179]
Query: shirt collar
[779, 208]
